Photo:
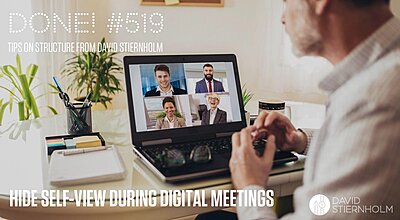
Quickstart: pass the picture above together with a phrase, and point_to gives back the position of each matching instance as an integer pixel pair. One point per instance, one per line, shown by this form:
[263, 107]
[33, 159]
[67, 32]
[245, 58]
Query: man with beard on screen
[209, 84]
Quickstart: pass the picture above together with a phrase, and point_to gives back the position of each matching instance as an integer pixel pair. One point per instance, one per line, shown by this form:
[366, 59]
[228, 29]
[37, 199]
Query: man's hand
[246, 167]
[288, 138]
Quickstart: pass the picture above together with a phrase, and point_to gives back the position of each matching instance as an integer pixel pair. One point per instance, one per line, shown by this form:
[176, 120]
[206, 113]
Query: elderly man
[355, 154]
[214, 115]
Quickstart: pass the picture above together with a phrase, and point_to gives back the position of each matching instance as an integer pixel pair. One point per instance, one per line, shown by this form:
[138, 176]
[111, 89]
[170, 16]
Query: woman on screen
[172, 118]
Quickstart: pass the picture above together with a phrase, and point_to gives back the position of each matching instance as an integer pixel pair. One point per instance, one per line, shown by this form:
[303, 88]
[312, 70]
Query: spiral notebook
[75, 167]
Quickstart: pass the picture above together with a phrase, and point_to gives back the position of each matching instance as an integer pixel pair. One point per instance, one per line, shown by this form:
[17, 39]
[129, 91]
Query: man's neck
[345, 33]
[165, 90]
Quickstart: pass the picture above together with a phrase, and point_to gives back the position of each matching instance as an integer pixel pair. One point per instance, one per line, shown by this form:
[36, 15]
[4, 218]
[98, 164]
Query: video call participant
[164, 87]
[170, 120]
[214, 115]
[209, 84]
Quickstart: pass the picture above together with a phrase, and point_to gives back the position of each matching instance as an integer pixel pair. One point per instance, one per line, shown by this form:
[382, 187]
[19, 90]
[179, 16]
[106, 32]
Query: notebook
[85, 165]
[183, 110]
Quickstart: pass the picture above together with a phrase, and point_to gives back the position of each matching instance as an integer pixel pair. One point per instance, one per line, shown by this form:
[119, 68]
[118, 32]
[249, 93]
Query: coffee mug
[277, 105]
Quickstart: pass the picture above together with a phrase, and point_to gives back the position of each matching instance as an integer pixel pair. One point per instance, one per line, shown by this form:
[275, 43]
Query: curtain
[50, 64]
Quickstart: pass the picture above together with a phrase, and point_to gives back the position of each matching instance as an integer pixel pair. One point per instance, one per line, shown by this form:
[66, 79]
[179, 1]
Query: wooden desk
[24, 165]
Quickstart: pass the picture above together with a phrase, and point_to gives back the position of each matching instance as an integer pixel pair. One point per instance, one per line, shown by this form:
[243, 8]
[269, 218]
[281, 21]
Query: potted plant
[20, 87]
[3, 106]
[247, 96]
[94, 72]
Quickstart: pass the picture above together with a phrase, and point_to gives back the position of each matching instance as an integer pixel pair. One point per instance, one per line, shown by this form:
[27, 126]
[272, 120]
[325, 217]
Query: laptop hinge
[225, 134]
[157, 142]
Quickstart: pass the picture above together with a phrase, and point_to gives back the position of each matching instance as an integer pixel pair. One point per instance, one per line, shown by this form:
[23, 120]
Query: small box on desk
[61, 142]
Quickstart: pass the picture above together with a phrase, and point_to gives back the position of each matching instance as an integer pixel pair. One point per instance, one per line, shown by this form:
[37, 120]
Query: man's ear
[320, 6]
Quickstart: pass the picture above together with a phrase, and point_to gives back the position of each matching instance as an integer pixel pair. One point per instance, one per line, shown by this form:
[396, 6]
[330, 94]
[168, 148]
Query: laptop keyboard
[220, 146]
[217, 146]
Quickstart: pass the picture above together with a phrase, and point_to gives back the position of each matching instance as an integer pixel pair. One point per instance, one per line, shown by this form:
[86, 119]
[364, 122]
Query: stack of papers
[87, 167]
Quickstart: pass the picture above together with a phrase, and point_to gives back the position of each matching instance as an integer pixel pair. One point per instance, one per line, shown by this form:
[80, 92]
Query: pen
[57, 84]
[85, 150]
[87, 100]
[63, 96]
[85, 104]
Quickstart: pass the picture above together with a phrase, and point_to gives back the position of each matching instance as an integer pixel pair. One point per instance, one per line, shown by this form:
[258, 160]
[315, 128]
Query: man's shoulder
[386, 76]
[206, 112]
[179, 91]
[152, 92]
[198, 83]
[221, 111]
[217, 81]
[377, 85]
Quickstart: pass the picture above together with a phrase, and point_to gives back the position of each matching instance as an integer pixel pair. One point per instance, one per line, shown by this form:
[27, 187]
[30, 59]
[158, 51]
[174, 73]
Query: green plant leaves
[30, 100]
[247, 96]
[26, 93]
[3, 107]
[11, 77]
[31, 72]
[21, 110]
[18, 64]
[53, 110]
[94, 72]
[20, 89]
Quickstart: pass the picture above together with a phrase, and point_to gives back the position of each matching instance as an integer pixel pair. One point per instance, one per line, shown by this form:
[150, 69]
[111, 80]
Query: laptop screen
[179, 98]
[180, 95]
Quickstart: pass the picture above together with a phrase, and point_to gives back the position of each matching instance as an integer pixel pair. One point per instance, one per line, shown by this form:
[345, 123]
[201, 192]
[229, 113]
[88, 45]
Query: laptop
[182, 119]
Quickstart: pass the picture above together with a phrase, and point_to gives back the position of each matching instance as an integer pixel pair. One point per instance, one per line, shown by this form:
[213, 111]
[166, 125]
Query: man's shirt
[168, 93]
[356, 153]
[213, 113]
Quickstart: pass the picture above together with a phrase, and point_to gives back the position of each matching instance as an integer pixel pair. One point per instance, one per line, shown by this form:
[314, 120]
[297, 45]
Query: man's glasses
[171, 158]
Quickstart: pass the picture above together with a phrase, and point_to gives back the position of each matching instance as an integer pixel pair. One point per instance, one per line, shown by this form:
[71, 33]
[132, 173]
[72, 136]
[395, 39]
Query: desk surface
[24, 162]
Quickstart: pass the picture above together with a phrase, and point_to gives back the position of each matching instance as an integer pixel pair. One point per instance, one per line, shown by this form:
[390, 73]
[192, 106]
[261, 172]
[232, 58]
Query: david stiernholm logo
[319, 204]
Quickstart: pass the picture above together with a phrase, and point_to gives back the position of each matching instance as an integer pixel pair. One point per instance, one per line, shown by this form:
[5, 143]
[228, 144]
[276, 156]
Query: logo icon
[319, 204]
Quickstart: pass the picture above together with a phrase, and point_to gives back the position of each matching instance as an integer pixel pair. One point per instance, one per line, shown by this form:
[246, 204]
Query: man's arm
[179, 91]
[204, 119]
[223, 116]
[265, 212]
[309, 134]
[222, 87]
[197, 89]
[357, 160]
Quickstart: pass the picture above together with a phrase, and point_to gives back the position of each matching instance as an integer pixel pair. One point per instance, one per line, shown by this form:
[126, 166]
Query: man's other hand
[247, 168]
[288, 138]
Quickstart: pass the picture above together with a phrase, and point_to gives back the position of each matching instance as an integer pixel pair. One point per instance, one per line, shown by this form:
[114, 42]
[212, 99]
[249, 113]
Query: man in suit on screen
[209, 84]
[214, 115]
[164, 87]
